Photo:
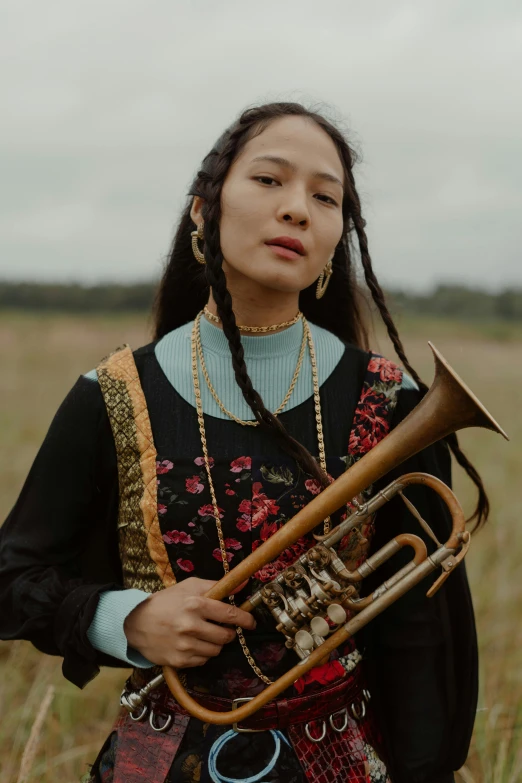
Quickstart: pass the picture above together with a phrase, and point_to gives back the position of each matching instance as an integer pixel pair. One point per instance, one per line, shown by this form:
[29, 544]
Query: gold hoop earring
[322, 283]
[198, 255]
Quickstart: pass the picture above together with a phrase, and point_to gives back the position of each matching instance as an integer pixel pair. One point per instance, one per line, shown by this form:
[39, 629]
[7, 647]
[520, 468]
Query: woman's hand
[177, 626]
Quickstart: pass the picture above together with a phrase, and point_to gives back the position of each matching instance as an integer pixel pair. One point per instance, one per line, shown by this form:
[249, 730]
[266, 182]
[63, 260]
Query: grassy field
[42, 356]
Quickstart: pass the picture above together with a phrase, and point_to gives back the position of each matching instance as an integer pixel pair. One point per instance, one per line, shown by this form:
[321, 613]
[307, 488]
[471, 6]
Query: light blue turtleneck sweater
[271, 360]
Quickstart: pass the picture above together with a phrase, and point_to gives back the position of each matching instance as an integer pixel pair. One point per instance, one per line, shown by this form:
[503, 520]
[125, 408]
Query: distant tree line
[75, 298]
[444, 301]
[457, 301]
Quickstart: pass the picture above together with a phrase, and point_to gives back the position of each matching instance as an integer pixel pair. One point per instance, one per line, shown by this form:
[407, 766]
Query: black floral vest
[167, 531]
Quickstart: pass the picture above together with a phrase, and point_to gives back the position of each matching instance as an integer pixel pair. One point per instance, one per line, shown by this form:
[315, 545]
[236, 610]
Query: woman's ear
[195, 210]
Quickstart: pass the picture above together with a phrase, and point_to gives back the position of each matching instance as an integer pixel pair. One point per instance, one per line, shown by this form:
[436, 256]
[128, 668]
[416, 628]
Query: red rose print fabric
[256, 496]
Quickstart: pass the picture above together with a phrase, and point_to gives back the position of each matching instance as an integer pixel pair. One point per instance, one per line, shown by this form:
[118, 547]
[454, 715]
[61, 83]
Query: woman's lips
[284, 252]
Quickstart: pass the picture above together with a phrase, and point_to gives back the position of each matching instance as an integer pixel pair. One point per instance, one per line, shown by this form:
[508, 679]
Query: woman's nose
[290, 218]
[293, 205]
[295, 210]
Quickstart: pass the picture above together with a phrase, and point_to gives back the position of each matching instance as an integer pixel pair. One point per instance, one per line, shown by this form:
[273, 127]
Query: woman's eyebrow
[289, 165]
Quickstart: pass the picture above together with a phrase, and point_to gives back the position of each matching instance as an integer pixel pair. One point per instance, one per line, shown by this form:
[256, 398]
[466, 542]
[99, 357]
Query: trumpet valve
[319, 556]
[297, 616]
[288, 633]
[320, 594]
[293, 577]
[312, 604]
[297, 606]
[320, 627]
[305, 640]
[286, 623]
[272, 595]
[336, 613]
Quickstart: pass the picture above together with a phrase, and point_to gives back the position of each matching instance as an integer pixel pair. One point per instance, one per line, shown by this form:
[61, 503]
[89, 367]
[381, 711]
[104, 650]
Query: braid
[217, 281]
[481, 512]
[482, 508]
[375, 289]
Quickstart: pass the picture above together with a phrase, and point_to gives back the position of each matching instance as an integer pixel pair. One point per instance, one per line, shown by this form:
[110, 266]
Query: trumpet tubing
[318, 590]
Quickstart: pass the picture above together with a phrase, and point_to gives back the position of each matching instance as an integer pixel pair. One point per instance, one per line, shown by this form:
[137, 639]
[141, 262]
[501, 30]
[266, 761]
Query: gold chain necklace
[271, 328]
[214, 393]
[215, 508]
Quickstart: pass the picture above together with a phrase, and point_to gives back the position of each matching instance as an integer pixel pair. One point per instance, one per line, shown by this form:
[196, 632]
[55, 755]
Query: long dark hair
[184, 287]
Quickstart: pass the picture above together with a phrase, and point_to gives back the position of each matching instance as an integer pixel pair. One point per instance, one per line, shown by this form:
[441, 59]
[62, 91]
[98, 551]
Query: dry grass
[41, 358]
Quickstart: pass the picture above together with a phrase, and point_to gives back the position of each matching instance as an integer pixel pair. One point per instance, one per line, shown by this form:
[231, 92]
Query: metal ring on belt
[311, 737]
[164, 727]
[339, 729]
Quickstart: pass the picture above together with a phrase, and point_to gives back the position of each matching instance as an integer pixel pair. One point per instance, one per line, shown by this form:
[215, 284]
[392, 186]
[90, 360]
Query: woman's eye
[329, 200]
[269, 178]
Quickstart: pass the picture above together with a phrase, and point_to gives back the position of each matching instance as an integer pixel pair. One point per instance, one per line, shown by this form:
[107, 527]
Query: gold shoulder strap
[143, 555]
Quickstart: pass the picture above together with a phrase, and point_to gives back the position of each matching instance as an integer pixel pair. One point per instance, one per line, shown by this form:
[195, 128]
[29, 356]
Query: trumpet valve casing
[305, 599]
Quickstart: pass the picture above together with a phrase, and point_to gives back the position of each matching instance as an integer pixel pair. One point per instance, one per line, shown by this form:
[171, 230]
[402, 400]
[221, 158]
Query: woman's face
[263, 199]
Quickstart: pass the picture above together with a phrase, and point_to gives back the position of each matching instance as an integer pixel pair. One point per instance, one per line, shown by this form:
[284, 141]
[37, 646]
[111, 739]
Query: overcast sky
[109, 107]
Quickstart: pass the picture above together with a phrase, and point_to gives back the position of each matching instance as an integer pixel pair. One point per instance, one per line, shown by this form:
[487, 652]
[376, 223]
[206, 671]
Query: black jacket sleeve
[422, 653]
[58, 546]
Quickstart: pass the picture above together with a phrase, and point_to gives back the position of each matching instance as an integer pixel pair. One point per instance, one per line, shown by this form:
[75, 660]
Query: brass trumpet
[321, 585]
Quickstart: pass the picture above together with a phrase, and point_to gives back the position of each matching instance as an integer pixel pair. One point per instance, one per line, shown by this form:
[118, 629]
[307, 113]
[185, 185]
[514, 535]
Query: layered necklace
[197, 353]
[213, 392]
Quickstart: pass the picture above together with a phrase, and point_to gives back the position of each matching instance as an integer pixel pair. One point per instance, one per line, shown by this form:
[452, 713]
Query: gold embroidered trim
[145, 561]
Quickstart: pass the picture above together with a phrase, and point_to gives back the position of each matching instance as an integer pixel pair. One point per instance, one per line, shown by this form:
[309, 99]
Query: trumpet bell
[455, 403]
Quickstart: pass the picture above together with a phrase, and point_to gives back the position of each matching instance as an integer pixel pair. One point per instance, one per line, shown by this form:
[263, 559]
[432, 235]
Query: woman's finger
[202, 648]
[219, 612]
[216, 634]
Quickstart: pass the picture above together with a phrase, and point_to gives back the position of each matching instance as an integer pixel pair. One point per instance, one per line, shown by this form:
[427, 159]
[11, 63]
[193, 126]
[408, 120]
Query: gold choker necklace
[272, 328]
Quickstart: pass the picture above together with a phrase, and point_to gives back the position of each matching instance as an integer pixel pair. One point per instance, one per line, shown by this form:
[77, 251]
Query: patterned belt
[349, 693]
[316, 725]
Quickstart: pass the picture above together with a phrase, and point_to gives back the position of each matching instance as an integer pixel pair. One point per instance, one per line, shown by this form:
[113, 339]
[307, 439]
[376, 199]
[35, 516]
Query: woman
[247, 411]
